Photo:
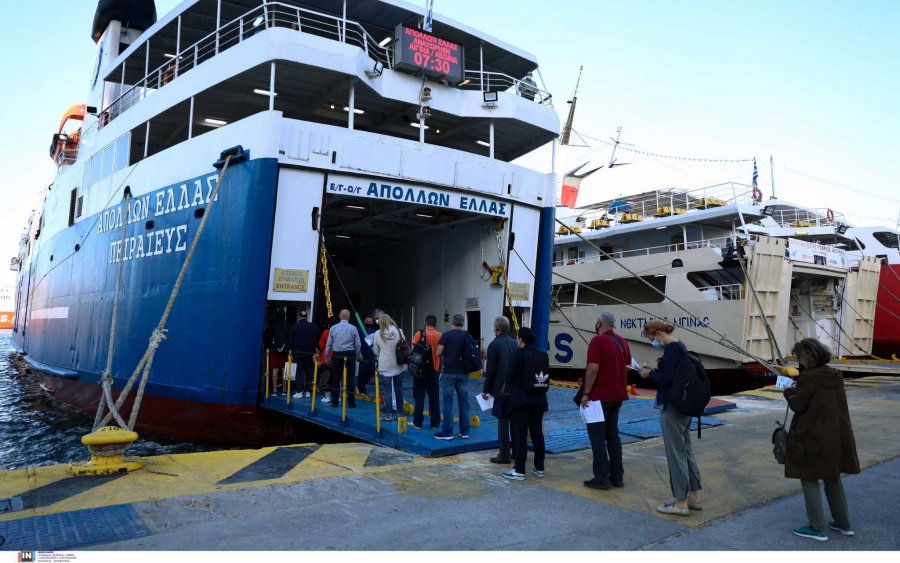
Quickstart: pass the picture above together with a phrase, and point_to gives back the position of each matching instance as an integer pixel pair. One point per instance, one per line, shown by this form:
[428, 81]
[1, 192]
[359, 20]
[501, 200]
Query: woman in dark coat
[820, 444]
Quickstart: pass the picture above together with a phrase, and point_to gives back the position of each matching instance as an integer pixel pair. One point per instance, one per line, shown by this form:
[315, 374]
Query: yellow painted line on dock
[192, 474]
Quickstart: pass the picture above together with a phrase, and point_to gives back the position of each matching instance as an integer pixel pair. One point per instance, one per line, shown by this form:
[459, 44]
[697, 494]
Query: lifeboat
[64, 146]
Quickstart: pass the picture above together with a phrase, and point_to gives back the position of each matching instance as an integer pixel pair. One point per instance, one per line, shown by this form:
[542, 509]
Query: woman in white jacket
[386, 340]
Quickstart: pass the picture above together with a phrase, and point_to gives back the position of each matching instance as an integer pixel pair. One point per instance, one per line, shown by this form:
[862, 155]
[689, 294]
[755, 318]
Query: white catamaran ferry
[355, 134]
[741, 294]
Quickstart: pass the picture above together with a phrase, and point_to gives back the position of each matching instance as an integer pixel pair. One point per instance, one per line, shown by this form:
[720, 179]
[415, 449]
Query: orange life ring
[830, 216]
[757, 195]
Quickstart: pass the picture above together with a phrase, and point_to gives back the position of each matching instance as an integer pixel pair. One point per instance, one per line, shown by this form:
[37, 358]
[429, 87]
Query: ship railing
[801, 218]
[490, 81]
[256, 20]
[66, 156]
[668, 202]
[719, 243]
[726, 292]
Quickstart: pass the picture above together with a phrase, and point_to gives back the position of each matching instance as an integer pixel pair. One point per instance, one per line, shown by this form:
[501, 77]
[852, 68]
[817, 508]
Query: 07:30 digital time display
[420, 52]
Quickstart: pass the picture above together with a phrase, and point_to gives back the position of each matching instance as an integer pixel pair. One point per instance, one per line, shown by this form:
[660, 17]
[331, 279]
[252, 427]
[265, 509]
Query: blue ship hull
[207, 371]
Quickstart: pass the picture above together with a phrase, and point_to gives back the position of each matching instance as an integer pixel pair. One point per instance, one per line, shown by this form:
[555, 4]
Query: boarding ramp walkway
[564, 430]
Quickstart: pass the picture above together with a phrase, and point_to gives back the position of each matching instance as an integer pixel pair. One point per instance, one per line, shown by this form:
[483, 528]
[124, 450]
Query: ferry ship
[740, 293]
[360, 130]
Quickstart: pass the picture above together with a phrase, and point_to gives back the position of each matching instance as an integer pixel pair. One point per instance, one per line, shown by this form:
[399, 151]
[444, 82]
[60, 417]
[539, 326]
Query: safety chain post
[344, 395]
[267, 374]
[325, 282]
[377, 406]
[287, 377]
[312, 409]
[512, 310]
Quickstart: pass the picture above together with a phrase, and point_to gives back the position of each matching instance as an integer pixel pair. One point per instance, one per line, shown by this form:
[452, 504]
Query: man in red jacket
[605, 381]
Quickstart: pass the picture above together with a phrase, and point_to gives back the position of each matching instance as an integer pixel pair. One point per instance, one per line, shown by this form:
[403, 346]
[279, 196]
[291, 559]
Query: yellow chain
[512, 310]
[325, 282]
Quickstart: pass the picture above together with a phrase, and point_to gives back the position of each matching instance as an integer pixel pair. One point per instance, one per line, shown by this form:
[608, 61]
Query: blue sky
[813, 83]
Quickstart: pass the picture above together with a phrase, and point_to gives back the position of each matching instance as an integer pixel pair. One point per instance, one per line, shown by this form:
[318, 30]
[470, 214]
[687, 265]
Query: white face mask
[377, 322]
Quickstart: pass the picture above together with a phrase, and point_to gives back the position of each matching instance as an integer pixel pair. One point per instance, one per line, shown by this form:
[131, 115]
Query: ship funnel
[134, 14]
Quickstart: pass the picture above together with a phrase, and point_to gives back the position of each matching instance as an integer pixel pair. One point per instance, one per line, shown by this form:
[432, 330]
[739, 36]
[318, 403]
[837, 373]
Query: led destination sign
[420, 52]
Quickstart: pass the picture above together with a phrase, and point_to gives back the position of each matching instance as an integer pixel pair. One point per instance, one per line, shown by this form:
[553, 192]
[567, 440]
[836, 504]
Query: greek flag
[428, 16]
[755, 176]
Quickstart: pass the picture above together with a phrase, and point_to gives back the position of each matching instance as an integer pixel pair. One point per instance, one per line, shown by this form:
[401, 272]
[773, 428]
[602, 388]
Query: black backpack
[420, 360]
[536, 372]
[471, 356]
[690, 391]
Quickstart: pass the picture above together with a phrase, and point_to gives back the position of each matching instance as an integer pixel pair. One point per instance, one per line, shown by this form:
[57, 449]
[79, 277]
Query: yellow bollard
[107, 446]
[377, 405]
[401, 425]
[287, 377]
[267, 374]
[315, 383]
[474, 421]
[344, 395]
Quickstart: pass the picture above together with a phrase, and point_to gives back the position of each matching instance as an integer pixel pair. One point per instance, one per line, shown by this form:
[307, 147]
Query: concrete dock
[366, 497]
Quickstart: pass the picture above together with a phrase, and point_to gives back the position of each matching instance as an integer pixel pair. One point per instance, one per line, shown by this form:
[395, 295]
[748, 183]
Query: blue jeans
[458, 382]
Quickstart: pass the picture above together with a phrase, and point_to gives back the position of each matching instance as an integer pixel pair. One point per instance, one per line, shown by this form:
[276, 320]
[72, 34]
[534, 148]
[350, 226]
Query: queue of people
[820, 444]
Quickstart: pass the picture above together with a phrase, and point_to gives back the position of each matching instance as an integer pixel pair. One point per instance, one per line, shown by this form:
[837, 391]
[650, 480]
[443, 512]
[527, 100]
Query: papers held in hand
[592, 413]
[635, 365]
[485, 404]
[784, 382]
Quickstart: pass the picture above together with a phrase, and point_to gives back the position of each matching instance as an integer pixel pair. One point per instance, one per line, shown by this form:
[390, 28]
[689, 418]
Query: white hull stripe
[51, 313]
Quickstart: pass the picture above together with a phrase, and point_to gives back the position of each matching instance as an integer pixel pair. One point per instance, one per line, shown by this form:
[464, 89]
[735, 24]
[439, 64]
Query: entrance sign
[291, 281]
[409, 193]
[519, 291]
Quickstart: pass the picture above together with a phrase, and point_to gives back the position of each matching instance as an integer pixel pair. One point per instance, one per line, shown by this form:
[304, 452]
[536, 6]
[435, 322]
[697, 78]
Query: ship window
[108, 160]
[886, 238]
[95, 164]
[628, 290]
[136, 144]
[122, 155]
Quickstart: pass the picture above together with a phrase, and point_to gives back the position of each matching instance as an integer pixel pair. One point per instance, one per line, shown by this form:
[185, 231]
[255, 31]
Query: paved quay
[364, 497]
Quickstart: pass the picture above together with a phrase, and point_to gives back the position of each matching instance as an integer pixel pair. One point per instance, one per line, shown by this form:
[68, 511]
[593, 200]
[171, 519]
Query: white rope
[159, 333]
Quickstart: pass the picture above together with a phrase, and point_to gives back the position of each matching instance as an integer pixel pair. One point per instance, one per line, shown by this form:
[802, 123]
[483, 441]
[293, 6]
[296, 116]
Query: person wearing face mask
[684, 476]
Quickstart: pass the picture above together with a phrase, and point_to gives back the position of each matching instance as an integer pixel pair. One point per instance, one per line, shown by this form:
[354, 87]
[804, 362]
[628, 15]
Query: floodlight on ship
[376, 70]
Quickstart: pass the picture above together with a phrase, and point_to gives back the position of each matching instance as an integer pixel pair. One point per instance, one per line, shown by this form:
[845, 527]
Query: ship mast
[567, 130]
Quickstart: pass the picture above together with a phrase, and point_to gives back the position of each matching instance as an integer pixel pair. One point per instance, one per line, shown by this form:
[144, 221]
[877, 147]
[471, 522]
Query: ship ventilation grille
[79, 206]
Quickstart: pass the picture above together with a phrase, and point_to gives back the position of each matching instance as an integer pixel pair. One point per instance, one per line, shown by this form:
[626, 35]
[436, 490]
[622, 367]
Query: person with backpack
[605, 380]
[527, 402]
[425, 374]
[460, 356]
[684, 476]
[391, 371]
[498, 369]
[820, 443]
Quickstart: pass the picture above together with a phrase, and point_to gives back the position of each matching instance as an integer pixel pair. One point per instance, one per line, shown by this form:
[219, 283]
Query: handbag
[403, 351]
[779, 437]
[471, 359]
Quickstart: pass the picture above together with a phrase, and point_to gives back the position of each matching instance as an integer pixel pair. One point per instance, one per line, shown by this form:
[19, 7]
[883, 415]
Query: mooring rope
[159, 333]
